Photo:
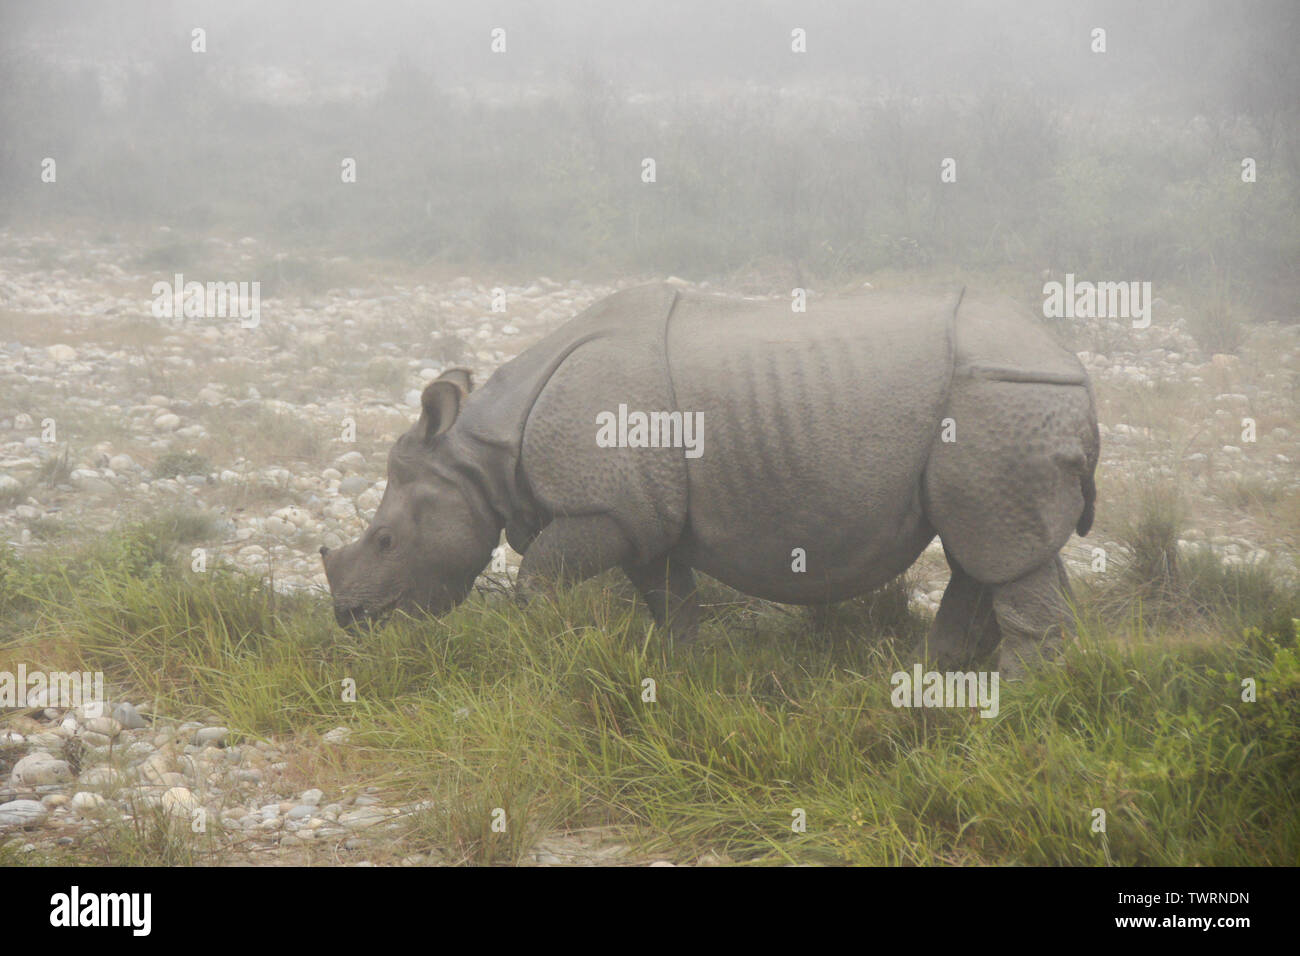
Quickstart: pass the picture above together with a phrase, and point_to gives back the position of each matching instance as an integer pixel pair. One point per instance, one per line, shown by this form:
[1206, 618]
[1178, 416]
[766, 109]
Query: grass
[175, 464]
[385, 375]
[1152, 531]
[1216, 324]
[1251, 493]
[55, 470]
[1168, 588]
[267, 435]
[538, 712]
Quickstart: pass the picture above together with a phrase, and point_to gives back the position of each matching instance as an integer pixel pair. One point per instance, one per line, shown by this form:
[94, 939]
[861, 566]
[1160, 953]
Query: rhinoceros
[802, 458]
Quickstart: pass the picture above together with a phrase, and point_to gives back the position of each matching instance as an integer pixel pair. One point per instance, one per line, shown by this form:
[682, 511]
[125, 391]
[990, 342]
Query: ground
[109, 415]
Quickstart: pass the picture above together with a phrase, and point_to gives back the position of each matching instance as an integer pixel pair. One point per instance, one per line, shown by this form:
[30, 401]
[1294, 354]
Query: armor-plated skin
[835, 445]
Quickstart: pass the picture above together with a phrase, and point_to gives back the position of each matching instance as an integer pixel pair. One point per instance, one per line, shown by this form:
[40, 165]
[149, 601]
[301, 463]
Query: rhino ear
[441, 404]
[462, 378]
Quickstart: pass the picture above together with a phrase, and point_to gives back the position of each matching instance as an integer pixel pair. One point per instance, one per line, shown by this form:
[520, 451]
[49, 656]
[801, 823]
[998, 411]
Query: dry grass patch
[263, 435]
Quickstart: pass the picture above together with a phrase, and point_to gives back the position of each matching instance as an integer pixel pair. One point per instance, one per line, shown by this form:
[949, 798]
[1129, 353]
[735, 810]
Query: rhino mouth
[357, 617]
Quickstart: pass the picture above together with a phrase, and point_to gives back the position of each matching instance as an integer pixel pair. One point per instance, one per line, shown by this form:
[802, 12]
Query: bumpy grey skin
[823, 431]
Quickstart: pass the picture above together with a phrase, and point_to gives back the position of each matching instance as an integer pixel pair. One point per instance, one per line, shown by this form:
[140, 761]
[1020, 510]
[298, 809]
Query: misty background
[808, 167]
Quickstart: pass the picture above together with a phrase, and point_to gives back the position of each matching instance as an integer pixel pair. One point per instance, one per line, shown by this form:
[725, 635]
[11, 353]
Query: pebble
[105, 726]
[105, 777]
[363, 819]
[41, 768]
[180, 801]
[353, 485]
[126, 715]
[210, 736]
[22, 813]
[85, 801]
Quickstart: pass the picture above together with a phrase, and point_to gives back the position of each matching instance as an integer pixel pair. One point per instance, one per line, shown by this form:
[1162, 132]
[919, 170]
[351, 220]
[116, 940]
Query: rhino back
[817, 428]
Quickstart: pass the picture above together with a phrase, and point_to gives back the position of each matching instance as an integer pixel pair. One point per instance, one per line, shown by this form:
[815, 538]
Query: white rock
[179, 801]
[364, 818]
[85, 801]
[104, 725]
[100, 777]
[278, 527]
[62, 353]
[341, 509]
[40, 769]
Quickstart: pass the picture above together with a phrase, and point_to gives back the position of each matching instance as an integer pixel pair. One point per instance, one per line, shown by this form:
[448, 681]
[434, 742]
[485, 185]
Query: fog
[1011, 356]
[1067, 158]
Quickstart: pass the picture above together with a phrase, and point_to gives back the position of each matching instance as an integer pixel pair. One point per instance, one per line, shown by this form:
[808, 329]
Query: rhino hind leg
[1005, 495]
[1035, 617]
[965, 632]
[668, 587]
[1009, 626]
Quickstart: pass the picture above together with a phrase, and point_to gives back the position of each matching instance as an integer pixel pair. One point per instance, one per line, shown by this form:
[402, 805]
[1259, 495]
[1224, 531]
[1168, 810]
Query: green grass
[538, 711]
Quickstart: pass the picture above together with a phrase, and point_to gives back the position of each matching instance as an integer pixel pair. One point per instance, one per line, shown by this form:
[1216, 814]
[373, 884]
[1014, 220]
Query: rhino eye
[385, 541]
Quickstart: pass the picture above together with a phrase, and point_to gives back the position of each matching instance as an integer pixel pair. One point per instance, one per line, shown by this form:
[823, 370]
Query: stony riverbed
[109, 413]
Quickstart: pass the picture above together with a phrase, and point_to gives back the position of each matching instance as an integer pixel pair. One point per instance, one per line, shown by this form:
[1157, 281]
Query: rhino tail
[1089, 477]
[1089, 504]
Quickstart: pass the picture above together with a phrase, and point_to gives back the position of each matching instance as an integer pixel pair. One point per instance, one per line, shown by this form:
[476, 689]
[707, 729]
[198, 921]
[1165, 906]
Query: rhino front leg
[571, 549]
[668, 587]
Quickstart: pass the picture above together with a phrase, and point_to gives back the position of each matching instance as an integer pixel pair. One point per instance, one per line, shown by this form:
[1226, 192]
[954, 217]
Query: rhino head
[432, 533]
